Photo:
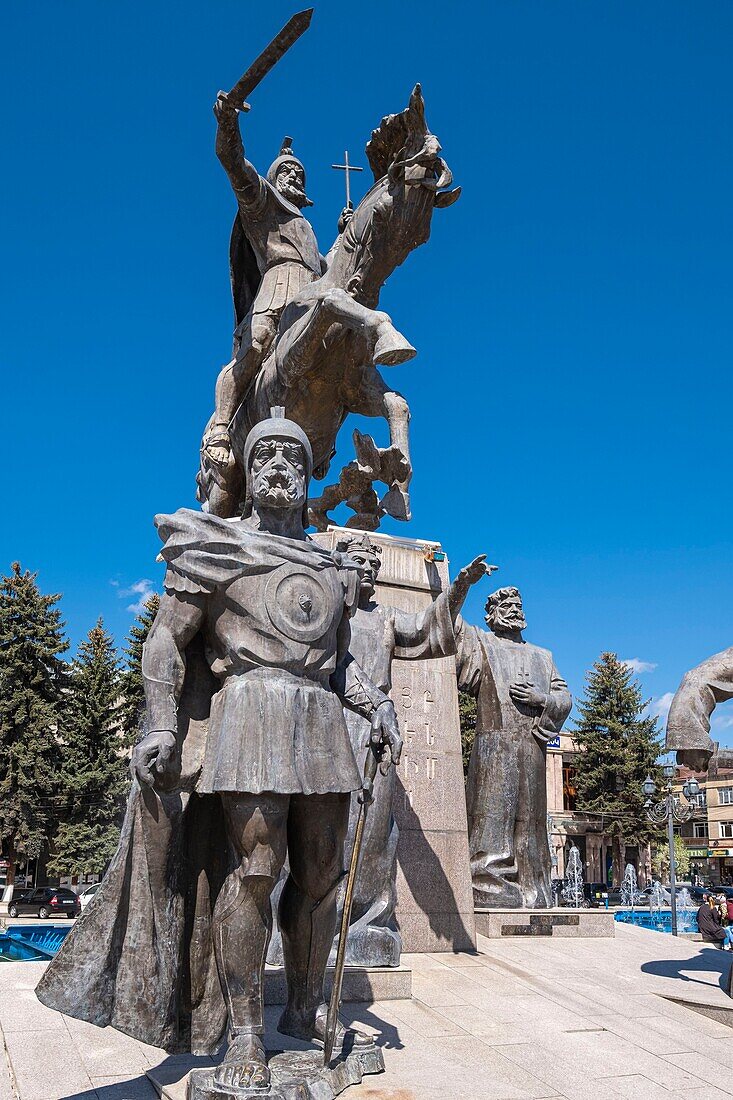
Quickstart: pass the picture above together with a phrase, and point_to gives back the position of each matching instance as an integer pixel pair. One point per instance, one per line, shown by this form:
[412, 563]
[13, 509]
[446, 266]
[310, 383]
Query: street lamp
[670, 810]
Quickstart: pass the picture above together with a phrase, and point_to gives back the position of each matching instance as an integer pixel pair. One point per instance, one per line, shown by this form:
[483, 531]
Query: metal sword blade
[296, 26]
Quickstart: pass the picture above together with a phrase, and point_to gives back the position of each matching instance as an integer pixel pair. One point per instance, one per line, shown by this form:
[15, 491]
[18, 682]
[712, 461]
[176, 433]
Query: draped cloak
[141, 958]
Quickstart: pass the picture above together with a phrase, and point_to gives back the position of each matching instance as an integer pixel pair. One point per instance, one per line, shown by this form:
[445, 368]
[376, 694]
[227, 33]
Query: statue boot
[390, 346]
[307, 933]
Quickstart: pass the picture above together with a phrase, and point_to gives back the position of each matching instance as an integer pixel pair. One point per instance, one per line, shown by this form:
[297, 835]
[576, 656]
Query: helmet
[287, 156]
[279, 427]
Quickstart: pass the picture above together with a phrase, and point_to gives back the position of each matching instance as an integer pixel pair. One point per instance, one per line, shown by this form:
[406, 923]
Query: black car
[598, 892]
[47, 901]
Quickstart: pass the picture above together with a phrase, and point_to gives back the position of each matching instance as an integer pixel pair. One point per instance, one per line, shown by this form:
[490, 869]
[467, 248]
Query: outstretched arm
[163, 665]
[468, 576]
[243, 176]
[688, 722]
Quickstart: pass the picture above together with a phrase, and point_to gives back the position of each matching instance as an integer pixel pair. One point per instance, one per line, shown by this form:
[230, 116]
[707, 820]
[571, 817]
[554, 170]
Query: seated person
[709, 924]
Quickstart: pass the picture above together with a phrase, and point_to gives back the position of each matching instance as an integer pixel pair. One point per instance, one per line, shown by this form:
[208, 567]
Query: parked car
[47, 901]
[88, 893]
[598, 893]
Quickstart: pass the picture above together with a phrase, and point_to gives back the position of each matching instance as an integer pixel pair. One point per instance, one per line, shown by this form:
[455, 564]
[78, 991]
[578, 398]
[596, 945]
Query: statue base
[296, 1075]
[563, 922]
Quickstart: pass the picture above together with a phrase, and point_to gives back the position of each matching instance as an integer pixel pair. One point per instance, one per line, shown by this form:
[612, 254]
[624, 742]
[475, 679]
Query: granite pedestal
[563, 923]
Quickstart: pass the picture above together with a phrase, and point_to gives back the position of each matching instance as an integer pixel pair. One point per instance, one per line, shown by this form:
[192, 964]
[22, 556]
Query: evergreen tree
[618, 748]
[32, 678]
[467, 718]
[93, 773]
[133, 693]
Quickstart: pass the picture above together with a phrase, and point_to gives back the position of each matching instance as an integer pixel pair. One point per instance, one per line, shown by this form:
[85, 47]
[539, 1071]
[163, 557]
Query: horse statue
[331, 338]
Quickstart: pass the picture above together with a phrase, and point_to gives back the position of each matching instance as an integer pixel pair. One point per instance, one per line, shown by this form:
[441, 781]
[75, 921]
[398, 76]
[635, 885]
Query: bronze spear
[366, 797]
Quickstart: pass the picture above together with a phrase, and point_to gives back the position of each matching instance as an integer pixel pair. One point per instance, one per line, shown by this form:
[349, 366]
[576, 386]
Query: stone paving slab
[558, 1020]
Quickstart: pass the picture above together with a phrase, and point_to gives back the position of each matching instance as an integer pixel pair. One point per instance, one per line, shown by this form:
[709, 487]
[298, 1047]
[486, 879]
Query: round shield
[300, 604]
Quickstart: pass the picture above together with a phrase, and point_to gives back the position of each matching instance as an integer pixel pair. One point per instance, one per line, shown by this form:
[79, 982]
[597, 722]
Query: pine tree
[133, 693]
[467, 719]
[617, 749]
[93, 773]
[32, 679]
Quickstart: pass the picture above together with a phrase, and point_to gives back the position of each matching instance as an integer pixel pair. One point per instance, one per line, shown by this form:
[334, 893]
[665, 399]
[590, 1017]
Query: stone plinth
[578, 923]
[434, 895]
[362, 984]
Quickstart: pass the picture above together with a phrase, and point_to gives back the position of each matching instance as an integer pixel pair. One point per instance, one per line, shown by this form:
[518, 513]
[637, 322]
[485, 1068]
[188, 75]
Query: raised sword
[296, 26]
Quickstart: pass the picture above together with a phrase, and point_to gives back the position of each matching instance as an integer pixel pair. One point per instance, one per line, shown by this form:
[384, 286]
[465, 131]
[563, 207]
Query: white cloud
[637, 665]
[722, 721]
[659, 706]
[142, 589]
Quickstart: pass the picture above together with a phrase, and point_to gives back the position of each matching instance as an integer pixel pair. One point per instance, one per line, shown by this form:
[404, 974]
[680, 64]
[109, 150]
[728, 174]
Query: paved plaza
[534, 1017]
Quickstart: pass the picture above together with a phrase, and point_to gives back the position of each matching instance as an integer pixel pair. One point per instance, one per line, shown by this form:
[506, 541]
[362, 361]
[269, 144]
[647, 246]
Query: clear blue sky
[571, 398]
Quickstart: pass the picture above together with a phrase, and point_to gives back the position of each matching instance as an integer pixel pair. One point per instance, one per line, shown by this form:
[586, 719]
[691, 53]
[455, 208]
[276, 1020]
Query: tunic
[271, 608]
[284, 245]
[506, 789]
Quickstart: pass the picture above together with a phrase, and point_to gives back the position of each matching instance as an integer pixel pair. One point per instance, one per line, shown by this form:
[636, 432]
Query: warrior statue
[379, 634]
[308, 332]
[688, 722]
[522, 704]
[248, 760]
[273, 257]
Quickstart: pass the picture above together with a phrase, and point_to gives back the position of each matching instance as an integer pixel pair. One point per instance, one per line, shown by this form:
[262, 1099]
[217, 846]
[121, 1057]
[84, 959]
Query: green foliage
[467, 716]
[133, 692]
[32, 678]
[660, 860]
[618, 748]
[93, 774]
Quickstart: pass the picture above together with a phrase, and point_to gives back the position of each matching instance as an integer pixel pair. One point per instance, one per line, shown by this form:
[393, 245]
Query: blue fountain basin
[659, 921]
[31, 942]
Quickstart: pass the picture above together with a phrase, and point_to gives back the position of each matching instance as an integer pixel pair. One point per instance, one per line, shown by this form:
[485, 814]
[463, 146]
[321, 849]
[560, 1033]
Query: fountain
[686, 911]
[572, 891]
[656, 904]
[631, 896]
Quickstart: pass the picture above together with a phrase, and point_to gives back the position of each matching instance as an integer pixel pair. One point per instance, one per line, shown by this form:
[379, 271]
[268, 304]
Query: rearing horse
[323, 363]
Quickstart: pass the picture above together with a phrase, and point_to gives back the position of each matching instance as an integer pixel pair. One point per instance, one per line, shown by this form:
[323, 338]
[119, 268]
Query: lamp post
[670, 810]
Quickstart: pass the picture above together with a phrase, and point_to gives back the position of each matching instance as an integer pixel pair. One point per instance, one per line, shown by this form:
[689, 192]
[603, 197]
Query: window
[699, 829]
[700, 800]
[725, 796]
[726, 830]
[568, 787]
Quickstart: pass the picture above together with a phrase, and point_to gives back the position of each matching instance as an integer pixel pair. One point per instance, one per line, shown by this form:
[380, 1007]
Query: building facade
[569, 826]
[709, 836]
